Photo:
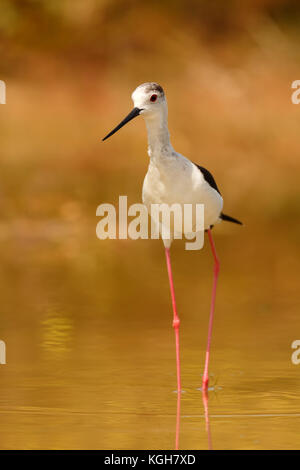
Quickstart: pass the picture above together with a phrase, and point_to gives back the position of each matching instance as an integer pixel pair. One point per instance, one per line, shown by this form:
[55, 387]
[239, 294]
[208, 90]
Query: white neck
[158, 135]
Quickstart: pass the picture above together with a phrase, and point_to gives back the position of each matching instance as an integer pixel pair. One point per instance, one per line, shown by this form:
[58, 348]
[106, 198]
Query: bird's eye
[153, 98]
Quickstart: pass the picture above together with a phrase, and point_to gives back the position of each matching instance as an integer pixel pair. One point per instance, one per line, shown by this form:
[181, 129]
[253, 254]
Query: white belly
[177, 180]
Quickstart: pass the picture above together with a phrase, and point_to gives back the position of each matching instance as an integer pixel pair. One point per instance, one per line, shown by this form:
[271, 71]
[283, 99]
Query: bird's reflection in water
[206, 415]
[177, 431]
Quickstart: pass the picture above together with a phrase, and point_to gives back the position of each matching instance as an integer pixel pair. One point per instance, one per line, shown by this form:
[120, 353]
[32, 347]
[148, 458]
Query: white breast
[174, 179]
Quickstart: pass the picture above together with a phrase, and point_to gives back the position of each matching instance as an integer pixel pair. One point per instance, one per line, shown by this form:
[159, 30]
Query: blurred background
[87, 323]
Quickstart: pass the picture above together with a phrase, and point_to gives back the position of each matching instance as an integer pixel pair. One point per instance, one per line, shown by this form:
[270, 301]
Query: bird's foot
[205, 383]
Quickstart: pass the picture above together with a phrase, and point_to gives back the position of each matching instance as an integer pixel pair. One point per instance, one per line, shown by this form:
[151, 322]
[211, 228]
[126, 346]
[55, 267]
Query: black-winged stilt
[172, 178]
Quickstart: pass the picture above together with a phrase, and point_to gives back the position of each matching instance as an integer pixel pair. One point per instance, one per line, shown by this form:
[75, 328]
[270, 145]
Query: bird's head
[149, 100]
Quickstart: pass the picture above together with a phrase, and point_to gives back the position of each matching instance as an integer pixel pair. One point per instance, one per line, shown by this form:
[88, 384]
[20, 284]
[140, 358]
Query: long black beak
[134, 113]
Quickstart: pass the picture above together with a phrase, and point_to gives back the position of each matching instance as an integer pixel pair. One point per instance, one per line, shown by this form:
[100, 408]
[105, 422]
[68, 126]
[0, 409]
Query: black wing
[211, 181]
[228, 218]
[208, 177]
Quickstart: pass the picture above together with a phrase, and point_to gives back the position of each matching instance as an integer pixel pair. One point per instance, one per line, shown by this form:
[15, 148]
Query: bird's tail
[230, 219]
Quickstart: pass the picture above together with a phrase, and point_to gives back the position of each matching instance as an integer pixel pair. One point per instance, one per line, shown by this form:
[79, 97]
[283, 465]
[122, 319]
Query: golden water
[90, 347]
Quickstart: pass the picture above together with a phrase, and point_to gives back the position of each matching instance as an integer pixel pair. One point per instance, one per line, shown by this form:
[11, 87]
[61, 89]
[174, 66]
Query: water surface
[90, 347]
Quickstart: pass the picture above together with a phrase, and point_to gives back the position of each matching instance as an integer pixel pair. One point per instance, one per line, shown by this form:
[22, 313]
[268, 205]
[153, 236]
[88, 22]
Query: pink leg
[212, 307]
[176, 321]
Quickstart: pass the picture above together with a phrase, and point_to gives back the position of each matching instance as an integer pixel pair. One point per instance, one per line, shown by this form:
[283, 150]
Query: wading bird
[171, 179]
